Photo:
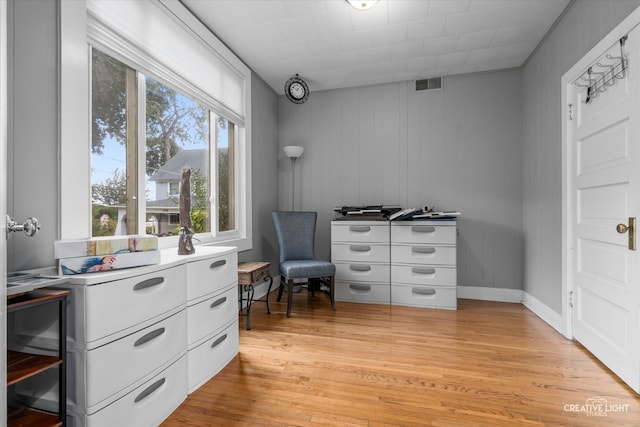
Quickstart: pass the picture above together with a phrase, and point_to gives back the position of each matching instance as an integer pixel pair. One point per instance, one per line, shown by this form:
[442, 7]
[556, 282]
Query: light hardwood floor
[486, 364]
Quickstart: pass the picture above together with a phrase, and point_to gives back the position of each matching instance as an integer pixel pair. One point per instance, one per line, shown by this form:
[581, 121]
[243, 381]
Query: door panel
[606, 191]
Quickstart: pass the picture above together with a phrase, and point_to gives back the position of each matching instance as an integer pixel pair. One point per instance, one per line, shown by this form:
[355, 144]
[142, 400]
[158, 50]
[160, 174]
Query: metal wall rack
[604, 73]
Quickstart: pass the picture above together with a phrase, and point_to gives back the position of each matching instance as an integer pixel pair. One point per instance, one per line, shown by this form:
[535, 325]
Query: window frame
[75, 184]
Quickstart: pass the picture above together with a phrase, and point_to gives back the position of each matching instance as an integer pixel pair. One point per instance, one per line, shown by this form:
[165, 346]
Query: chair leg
[268, 293]
[280, 289]
[332, 293]
[289, 296]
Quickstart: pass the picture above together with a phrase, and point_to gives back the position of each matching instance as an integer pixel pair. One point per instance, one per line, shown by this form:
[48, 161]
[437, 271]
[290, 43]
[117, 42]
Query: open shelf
[21, 366]
[29, 418]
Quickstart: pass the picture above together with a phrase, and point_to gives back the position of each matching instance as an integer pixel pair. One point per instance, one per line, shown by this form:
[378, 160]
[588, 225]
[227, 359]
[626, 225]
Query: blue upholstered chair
[296, 236]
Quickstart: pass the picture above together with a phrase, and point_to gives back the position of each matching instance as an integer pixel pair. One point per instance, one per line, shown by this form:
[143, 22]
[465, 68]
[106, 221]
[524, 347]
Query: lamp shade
[362, 4]
[293, 151]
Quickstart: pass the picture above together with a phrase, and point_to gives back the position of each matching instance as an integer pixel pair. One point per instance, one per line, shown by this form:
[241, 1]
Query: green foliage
[112, 191]
[103, 220]
[109, 100]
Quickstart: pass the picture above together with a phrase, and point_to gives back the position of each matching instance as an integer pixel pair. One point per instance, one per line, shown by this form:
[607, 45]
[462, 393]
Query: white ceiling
[332, 45]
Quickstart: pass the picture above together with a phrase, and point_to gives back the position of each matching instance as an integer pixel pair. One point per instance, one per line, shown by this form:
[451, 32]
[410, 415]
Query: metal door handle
[30, 226]
[631, 228]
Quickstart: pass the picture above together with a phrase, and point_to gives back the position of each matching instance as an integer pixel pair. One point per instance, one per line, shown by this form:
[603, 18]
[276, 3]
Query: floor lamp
[293, 152]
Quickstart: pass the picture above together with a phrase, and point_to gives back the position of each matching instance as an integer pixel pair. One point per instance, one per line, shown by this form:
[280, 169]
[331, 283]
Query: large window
[136, 175]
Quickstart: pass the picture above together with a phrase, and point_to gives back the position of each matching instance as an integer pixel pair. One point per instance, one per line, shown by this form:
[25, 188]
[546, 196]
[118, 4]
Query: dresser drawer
[424, 296]
[363, 272]
[423, 254]
[423, 233]
[359, 233]
[149, 404]
[205, 317]
[376, 293]
[122, 304]
[208, 358]
[121, 363]
[423, 275]
[207, 276]
[360, 252]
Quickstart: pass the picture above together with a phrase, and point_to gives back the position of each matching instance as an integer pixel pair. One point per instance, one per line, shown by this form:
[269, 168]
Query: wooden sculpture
[185, 244]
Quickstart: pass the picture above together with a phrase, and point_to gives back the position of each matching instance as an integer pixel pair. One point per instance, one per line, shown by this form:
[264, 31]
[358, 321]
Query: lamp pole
[293, 152]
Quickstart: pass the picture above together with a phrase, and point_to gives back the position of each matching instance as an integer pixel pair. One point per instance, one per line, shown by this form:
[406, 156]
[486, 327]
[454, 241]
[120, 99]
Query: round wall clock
[296, 90]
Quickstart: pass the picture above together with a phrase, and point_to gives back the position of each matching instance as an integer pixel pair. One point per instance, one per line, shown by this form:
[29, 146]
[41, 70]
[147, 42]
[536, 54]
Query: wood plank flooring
[486, 364]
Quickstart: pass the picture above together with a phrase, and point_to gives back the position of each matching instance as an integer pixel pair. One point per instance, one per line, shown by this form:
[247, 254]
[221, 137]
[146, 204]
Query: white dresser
[140, 339]
[423, 264]
[212, 316]
[360, 252]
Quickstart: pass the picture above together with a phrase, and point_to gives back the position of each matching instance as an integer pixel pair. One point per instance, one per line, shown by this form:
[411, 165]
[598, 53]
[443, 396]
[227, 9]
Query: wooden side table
[249, 275]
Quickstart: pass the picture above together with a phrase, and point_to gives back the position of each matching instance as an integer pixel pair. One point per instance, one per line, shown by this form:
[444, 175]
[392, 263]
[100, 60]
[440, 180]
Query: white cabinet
[133, 335]
[212, 316]
[360, 252]
[403, 262]
[423, 264]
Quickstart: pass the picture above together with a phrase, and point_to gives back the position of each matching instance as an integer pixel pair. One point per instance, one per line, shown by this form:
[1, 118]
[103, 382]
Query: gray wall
[458, 148]
[582, 27]
[264, 172]
[32, 175]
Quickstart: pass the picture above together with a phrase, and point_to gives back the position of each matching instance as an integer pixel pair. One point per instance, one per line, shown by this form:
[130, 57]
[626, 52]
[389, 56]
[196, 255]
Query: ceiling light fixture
[362, 4]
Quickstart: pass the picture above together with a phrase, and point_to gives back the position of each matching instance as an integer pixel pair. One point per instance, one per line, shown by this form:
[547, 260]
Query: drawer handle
[148, 337]
[146, 392]
[422, 229]
[360, 248]
[423, 270]
[423, 291]
[356, 267]
[359, 228]
[218, 302]
[360, 288]
[218, 263]
[219, 341]
[148, 283]
[423, 250]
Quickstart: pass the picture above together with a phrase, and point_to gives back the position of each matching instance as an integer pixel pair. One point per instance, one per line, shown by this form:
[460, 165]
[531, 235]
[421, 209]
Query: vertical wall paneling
[264, 177]
[583, 26]
[454, 148]
[33, 136]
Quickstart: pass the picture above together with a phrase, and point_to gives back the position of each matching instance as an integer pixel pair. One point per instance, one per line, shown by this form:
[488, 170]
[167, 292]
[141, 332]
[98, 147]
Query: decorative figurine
[185, 244]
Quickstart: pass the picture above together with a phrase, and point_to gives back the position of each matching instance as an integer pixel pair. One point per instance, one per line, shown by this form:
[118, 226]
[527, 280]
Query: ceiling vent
[428, 84]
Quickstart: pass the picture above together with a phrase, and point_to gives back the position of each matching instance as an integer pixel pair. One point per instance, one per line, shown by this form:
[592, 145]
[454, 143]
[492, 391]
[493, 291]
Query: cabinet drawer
[115, 306]
[360, 252]
[356, 271]
[423, 254]
[208, 358]
[209, 315]
[121, 363]
[377, 293]
[424, 296]
[423, 275]
[423, 233]
[149, 404]
[207, 276]
[359, 233]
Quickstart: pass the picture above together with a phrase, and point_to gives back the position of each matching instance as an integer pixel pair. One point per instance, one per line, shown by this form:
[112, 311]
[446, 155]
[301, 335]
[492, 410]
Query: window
[141, 41]
[177, 136]
[174, 189]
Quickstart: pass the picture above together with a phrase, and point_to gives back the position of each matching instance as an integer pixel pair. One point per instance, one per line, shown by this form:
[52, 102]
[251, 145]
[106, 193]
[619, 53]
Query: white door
[3, 208]
[605, 191]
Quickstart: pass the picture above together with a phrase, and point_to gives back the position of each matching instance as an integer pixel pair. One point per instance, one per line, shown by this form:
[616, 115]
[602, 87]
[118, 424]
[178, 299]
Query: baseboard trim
[490, 294]
[545, 313]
